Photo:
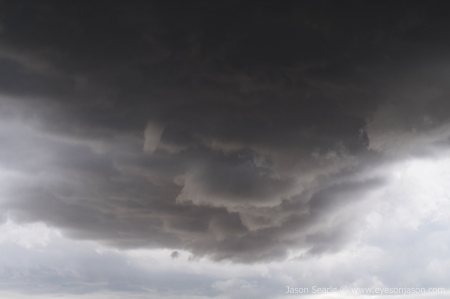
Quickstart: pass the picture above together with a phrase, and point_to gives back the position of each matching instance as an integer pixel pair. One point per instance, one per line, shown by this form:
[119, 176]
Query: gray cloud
[147, 125]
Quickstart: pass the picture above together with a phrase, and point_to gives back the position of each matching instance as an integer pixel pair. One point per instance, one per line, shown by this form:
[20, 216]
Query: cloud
[174, 254]
[152, 136]
[282, 133]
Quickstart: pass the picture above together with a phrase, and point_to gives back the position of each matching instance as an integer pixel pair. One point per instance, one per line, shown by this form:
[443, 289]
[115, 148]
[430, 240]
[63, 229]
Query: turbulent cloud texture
[235, 130]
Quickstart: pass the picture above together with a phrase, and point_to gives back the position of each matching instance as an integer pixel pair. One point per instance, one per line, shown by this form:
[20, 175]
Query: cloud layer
[235, 131]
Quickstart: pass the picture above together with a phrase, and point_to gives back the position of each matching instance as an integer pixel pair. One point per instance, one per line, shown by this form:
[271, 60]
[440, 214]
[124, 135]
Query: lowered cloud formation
[240, 131]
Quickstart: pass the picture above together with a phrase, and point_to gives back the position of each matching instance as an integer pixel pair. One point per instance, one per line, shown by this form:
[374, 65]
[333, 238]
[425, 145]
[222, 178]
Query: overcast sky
[223, 149]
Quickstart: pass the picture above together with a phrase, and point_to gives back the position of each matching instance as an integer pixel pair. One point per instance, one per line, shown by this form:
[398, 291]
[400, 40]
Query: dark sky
[234, 130]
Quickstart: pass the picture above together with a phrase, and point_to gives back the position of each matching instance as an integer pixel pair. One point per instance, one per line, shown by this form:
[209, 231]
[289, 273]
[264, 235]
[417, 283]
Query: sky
[224, 149]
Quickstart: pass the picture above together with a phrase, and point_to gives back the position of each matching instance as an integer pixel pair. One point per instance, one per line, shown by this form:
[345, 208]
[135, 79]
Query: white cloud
[29, 235]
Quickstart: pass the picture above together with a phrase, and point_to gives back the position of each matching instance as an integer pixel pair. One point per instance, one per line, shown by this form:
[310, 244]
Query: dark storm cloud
[236, 130]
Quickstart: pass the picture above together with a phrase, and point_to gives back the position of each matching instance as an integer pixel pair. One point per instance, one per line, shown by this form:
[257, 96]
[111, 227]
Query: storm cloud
[234, 130]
